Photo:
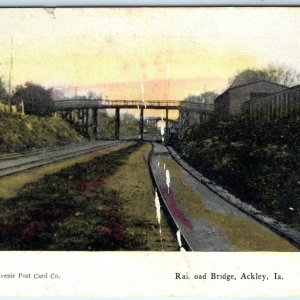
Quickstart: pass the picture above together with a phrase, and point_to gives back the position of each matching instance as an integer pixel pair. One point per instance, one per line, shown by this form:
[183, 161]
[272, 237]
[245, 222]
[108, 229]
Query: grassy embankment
[243, 234]
[106, 203]
[128, 127]
[106, 128]
[257, 161]
[23, 132]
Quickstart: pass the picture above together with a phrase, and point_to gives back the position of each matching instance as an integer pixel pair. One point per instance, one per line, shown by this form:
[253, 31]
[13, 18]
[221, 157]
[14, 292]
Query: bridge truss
[86, 109]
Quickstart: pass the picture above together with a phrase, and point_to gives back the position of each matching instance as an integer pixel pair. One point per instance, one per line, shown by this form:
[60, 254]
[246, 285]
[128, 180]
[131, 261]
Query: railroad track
[39, 158]
[173, 223]
[283, 230]
[14, 155]
[189, 239]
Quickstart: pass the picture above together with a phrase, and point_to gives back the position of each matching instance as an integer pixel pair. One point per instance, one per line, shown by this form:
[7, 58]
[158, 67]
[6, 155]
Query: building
[192, 113]
[230, 102]
[273, 106]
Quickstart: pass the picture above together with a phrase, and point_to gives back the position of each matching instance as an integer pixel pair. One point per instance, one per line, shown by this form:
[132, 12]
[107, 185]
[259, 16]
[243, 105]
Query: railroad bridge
[85, 112]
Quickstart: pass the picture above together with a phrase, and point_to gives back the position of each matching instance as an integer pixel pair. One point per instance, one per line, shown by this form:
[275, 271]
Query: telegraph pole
[10, 74]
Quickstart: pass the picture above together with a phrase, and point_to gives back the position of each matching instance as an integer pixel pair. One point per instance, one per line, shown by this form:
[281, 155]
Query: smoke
[143, 91]
[168, 72]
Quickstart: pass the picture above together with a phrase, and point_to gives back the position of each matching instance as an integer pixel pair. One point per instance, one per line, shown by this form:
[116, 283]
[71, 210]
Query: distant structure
[192, 113]
[230, 102]
[274, 106]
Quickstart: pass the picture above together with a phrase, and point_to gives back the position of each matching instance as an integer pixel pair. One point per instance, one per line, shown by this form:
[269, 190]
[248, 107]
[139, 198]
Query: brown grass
[10, 185]
[133, 184]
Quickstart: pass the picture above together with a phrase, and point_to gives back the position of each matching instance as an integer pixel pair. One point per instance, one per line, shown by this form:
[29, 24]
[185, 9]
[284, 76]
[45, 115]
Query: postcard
[149, 152]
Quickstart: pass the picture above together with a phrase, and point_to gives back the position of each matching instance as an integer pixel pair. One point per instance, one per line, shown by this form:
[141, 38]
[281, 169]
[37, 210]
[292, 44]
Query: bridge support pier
[86, 128]
[84, 115]
[167, 126]
[78, 118]
[142, 124]
[82, 120]
[95, 123]
[117, 123]
[71, 115]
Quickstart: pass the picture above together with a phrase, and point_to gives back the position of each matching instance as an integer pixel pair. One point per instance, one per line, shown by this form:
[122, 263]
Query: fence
[274, 106]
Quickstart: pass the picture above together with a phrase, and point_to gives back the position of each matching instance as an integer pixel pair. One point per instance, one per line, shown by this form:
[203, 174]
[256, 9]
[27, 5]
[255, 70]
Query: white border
[78, 278]
[81, 3]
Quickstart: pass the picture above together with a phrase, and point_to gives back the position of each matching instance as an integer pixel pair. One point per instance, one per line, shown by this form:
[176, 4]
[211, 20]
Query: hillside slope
[257, 161]
[20, 133]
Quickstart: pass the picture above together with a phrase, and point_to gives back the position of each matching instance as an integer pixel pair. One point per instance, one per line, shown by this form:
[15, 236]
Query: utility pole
[10, 74]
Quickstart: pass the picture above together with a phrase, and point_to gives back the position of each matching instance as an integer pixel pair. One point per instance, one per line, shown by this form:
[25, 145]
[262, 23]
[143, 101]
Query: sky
[172, 52]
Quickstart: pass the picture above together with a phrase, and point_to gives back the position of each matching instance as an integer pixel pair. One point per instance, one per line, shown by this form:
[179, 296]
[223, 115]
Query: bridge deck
[128, 104]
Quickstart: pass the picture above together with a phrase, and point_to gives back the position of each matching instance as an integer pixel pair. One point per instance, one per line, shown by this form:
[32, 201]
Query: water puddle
[158, 215]
[168, 180]
[177, 213]
[178, 235]
[162, 129]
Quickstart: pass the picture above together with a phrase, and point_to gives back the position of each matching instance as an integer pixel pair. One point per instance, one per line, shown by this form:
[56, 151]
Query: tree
[128, 118]
[250, 75]
[3, 92]
[58, 94]
[284, 75]
[92, 95]
[206, 97]
[37, 99]
[276, 73]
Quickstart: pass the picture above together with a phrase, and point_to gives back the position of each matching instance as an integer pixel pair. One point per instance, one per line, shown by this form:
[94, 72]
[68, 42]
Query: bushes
[20, 133]
[37, 99]
[257, 161]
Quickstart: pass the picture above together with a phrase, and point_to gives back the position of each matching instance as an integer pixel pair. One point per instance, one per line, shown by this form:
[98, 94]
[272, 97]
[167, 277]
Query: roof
[274, 94]
[246, 84]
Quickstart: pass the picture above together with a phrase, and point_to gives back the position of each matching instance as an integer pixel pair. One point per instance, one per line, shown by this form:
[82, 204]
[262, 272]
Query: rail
[50, 156]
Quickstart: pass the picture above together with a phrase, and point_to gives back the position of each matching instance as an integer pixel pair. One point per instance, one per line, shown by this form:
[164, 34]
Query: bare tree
[284, 75]
[280, 74]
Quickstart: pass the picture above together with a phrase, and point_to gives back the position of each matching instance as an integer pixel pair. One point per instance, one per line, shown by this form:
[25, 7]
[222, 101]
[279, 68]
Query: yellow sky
[111, 50]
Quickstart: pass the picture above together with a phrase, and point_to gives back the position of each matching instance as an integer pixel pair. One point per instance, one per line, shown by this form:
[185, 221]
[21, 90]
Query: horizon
[171, 52]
